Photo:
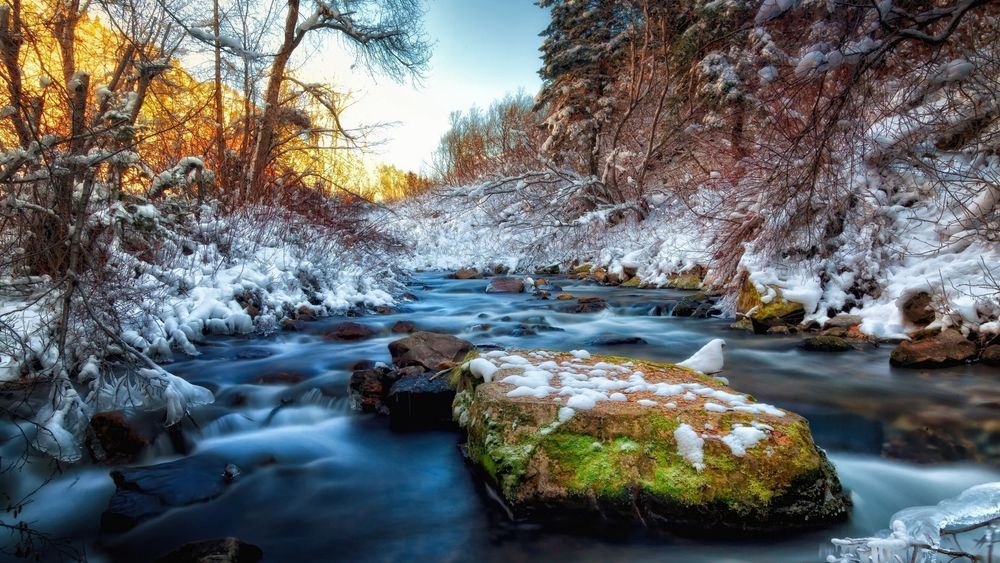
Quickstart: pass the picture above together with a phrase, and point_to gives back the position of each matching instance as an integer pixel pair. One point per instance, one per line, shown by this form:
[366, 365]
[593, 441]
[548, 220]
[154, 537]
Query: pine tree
[581, 45]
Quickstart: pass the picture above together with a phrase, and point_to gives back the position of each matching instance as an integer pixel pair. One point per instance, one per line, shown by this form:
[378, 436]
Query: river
[322, 482]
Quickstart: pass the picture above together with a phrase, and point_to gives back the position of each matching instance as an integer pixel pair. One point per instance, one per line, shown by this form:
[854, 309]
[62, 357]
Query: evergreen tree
[582, 43]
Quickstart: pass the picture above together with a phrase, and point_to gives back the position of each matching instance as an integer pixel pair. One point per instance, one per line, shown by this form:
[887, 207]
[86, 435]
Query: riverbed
[323, 482]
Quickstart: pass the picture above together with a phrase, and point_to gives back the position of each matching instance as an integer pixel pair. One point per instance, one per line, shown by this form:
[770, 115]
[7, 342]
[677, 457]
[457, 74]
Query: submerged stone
[350, 331]
[144, 492]
[610, 339]
[576, 439]
[224, 550]
[587, 305]
[826, 343]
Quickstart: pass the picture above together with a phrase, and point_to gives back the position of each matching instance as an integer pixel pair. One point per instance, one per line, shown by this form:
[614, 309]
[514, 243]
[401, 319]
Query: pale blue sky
[482, 50]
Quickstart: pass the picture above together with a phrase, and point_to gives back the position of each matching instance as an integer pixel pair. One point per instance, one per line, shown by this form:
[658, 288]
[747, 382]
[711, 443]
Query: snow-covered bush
[919, 534]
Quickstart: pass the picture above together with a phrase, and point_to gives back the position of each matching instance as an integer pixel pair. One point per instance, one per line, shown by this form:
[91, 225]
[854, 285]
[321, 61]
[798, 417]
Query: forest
[215, 296]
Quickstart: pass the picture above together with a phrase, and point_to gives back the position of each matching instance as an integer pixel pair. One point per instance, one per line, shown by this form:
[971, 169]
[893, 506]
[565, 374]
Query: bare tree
[385, 37]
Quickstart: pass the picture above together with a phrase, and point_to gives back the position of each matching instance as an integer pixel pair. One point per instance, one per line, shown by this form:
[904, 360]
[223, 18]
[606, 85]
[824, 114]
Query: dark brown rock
[368, 389]
[350, 331]
[587, 305]
[466, 274]
[917, 309]
[564, 297]
[431, 350]
[116, 438]
[505, 284]
[991, 355]
[826, 343]
[224, 550]
[404, 327]
[306, 313]
[421, 400]
[949, 348]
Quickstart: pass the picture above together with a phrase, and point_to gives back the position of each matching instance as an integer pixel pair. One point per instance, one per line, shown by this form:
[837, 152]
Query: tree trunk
[269, 119]
[220, 139]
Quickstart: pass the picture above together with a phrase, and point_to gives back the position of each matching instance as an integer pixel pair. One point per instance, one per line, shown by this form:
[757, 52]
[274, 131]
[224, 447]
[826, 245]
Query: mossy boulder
[643, 456]
[688, 279]
[777, 311]
[634, 281]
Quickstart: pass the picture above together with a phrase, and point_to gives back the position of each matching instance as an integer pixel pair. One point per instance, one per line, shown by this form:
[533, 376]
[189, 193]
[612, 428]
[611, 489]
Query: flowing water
[322, 482]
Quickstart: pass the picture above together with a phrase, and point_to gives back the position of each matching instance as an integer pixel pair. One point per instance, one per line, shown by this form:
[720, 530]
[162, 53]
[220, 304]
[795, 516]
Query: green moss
[583, 269]
[750, 299]
[603, 469]
[778, 308]
[685, 281]
[504, 461]
[532, 457]
[634, 281]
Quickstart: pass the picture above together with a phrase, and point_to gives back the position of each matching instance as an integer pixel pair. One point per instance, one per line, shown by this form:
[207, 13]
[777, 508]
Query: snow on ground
[228, 263]
[920, 240]
[452, 229]
[578, 383]
[211, 275]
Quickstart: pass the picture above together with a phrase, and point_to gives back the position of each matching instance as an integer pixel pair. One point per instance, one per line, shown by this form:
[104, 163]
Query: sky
[483, 49]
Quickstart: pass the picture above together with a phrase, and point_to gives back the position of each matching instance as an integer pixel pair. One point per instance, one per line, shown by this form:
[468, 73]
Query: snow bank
[177, 278]
[908, 235]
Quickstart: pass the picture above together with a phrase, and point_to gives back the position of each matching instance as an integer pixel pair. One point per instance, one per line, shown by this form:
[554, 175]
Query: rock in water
[116, 438]
[466, 274]
[991, 355]
[225, 550]
[350, 331]
[430, 350]
[826, 343]
[707, 360]
[419, 402]
[144, 492]
[949, 348]
[587, 305]
[611, 339]
[405, 327]
[505, 284]
[624, 442]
